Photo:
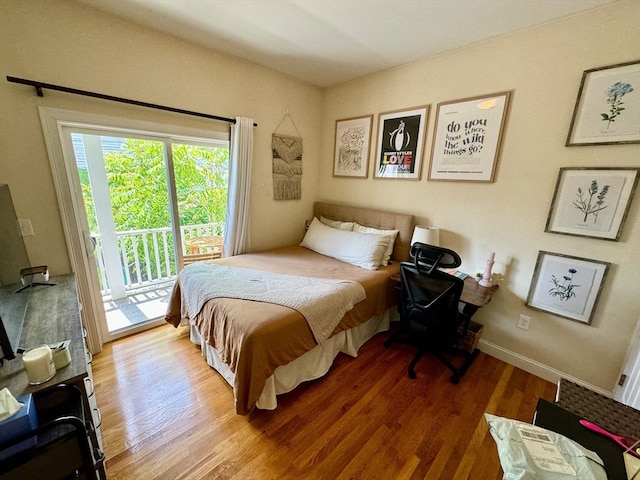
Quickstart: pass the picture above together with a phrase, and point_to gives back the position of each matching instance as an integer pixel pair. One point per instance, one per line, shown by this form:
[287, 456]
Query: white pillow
[390, 233]
[337, 224]
[362, 249]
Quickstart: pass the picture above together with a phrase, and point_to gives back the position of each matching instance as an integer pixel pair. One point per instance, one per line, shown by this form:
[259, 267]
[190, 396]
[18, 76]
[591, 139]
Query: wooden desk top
[53, 315]
[475, 294]
[472, 293]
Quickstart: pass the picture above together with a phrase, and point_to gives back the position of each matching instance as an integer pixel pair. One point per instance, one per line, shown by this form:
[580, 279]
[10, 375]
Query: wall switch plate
[523, 322]
[26, 229]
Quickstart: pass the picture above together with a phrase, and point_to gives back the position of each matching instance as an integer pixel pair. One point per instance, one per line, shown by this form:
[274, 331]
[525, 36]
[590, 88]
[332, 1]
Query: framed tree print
[353, 138]
[400, 143]
[567, 286]
[467, 137]
[592, 202]
[607, 109]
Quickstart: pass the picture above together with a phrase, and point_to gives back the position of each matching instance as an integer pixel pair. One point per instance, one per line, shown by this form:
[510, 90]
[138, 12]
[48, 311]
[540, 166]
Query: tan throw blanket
[204, 281]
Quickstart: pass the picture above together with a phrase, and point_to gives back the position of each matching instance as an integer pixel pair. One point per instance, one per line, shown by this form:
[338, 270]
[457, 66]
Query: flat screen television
[13, 258]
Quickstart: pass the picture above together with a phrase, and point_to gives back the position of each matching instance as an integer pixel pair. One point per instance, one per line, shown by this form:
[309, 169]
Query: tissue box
[25, 420]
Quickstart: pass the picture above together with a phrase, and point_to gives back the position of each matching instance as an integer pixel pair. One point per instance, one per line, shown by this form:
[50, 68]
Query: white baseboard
[534, 367]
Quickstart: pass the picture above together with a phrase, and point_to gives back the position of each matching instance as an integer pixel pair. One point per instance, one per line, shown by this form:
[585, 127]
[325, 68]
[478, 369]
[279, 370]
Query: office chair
[428, 305]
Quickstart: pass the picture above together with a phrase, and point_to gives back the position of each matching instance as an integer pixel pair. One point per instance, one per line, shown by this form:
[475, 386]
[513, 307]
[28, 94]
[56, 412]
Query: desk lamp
[425, 234]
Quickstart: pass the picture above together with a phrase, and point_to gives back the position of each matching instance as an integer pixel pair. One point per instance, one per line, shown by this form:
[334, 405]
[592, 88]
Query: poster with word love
[400, 143]
[467, 137]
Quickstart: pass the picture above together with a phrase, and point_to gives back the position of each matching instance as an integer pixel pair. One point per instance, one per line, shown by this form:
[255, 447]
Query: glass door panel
[201, 178]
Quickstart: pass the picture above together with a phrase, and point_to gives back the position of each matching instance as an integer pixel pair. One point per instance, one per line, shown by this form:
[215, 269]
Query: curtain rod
[40, 85]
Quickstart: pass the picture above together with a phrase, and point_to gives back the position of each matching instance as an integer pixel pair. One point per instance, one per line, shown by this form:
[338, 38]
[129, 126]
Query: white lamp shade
[424, 234]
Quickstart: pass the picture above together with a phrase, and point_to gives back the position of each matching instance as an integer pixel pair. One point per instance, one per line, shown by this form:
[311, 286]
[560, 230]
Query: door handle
[90, 243]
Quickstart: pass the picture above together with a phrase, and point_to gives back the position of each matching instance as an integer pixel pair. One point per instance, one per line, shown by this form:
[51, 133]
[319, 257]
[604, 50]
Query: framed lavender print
[353, 139]
[607, 109]
[592, 202]
[400, 143]
[567, 286]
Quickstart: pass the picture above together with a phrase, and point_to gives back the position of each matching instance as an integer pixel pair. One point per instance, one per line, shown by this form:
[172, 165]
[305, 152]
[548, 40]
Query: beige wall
[65, 43]
[542, 67]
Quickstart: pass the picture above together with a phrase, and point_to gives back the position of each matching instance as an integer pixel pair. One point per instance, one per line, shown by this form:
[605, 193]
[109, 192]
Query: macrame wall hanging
[287, 164]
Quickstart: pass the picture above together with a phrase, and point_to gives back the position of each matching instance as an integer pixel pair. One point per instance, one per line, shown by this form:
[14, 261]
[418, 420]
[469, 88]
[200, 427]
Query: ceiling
[326, 42]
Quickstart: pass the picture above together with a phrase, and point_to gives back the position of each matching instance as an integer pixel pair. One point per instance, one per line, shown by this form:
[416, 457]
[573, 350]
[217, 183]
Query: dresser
[53, 315]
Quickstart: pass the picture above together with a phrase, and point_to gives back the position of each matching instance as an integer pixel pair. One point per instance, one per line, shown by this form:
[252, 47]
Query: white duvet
[322, 302]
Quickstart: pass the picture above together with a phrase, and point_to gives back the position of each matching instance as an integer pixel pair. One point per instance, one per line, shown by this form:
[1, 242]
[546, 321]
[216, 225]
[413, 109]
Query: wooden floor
[167, 415]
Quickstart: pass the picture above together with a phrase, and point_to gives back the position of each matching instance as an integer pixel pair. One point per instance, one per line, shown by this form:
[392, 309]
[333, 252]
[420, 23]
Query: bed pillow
[337, 224]
[390, 233]
[362, 249]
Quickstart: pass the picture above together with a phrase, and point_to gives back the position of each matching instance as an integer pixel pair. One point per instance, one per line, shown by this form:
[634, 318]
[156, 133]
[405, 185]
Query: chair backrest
[430, 299]
[426, 258]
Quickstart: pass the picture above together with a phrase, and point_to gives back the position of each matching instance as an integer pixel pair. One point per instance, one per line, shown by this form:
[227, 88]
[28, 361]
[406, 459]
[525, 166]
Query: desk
[473, 297]
[53, 315]
[473, 294]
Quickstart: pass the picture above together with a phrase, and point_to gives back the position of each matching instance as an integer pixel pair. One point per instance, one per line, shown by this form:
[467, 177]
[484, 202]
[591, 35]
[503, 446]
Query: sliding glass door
[151, 203]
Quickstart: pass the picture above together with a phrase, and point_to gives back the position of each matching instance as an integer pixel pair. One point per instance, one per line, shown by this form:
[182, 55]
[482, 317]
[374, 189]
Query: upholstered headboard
[370, 217]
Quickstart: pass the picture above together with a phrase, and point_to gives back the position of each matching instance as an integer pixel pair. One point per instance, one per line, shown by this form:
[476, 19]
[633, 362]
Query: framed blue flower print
[567, 286]
[607, 110]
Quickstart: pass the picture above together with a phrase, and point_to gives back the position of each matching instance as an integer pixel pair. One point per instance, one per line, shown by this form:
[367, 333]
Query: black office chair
[428, 305]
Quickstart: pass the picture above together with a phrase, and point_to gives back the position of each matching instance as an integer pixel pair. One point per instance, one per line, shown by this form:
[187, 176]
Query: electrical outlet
[523, 322]
[26, 229]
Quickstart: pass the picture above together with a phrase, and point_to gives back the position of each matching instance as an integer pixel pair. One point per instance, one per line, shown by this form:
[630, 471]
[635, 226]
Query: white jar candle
[38, 363]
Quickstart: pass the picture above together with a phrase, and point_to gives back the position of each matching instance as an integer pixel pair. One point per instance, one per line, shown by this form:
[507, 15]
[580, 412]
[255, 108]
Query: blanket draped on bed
[205, 281]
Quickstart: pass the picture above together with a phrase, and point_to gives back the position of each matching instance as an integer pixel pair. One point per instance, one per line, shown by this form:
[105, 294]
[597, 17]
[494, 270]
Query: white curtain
[236, 234]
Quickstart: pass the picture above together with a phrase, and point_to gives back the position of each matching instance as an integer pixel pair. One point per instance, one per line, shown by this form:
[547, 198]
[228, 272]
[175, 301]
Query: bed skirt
[313, 364]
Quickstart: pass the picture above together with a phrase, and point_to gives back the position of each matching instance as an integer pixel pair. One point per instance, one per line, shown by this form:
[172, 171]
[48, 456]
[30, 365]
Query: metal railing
[146, 256]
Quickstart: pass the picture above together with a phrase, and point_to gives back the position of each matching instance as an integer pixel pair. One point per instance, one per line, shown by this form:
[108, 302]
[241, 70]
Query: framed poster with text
[466, 138]
[400, 143]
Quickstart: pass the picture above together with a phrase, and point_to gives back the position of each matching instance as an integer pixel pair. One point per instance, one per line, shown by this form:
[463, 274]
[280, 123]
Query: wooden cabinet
[68, 434]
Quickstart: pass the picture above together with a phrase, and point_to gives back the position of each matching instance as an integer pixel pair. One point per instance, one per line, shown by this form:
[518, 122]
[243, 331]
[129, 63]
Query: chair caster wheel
[455, 379]
[412, 374]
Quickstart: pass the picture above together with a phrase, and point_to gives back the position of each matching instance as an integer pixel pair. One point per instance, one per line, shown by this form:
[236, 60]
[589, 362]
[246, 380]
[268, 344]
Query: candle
[38, 363]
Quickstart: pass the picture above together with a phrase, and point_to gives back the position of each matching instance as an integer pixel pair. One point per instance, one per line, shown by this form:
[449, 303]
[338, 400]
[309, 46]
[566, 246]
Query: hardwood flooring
[167, 415]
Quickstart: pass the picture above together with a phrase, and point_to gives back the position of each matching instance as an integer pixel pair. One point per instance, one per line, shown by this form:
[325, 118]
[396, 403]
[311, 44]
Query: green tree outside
[138, 189]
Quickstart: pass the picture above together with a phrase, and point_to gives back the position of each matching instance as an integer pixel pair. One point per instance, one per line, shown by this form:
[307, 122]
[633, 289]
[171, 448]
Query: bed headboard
[370, 217]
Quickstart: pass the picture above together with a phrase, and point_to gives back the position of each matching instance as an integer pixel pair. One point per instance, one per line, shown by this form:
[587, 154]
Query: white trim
[70, 202]
[534, 367]
[629, 393]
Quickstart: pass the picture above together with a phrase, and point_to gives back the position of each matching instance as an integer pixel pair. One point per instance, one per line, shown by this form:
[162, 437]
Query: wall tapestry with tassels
[287, 167]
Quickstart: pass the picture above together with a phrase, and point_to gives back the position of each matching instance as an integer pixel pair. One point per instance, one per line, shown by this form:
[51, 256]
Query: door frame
[70, 202]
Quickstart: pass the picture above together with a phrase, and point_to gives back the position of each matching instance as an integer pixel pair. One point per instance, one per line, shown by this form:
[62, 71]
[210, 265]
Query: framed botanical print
[351, 154]
[567, 286]
[467, 137]
[607, 109]
[592, 202]
[400, 143]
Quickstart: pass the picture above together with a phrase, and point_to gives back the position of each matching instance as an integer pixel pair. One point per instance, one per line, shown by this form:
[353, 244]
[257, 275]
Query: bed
[265, 346]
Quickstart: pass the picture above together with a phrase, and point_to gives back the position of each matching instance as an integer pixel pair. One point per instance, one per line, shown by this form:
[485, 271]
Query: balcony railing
[146, 256]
